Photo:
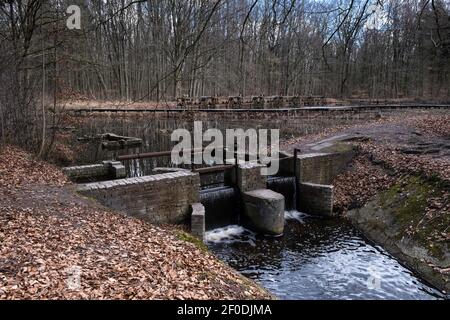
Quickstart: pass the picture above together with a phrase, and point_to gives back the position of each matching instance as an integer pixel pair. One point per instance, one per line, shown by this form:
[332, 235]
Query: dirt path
[418, 135]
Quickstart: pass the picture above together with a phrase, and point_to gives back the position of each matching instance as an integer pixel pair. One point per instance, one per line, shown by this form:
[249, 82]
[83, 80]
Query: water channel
[317, 259]
[314, 259]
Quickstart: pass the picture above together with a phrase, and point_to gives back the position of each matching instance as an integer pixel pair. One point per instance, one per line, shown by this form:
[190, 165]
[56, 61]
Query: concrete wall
[107, 169]
[161, 198]
[86, 172]
[249, 177]
[315, 199]
[321, 168]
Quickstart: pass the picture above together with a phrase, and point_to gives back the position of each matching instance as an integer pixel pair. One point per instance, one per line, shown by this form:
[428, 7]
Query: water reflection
[155, 134]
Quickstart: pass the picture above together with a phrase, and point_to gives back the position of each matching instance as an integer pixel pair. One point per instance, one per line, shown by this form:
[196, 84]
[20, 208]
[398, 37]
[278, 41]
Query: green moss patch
[413, 213]
[184, 236]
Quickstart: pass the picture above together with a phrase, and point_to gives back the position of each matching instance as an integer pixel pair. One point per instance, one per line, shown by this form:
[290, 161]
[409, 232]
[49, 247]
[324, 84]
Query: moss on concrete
[407, 201]
[184, 236]
[401, 220]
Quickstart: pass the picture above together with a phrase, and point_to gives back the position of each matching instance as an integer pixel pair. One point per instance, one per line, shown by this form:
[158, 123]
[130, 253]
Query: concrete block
[198, 220]
[315, 199]
[249, 177]
[118, 171]
[264, 211]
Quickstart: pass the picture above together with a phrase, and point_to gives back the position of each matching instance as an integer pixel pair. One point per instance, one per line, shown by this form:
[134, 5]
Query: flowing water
[287, 187]
[314, 259]
[221, 206]
[317, 259]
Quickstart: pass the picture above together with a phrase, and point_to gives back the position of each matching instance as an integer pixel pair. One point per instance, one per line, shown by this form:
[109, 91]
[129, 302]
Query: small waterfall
[221, 207]
[230, 234]
[287, 187]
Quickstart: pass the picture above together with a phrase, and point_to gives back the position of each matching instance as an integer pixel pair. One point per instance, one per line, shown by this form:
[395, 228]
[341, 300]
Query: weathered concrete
[86, 172]
[161, 198]
[198, 220]
[106, 169]
[249, 177]
[315, 199]
[116, 169]
[321, 168]
[264, 211]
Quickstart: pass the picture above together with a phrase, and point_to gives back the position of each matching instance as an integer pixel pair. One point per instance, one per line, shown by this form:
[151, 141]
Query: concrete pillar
[316, 199]
[198, 220]
[314, 167]
[116, 169]
[249, 177]
[264, 211]
[286, 163]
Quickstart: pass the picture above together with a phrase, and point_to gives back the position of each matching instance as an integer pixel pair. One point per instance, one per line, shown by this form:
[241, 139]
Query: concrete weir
[174, 196]
[316, 199]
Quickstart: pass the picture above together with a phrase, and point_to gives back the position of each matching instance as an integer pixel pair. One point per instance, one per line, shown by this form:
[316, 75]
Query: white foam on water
[238, 234]
[295, 215]
[230, 234]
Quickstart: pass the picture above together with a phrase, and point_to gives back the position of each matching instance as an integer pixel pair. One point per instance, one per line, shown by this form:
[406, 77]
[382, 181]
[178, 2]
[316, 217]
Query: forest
[225, 150]
[143, 50]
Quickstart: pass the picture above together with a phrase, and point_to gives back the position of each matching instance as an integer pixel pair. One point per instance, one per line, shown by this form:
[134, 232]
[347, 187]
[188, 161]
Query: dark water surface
[317, 259]
[155, 134]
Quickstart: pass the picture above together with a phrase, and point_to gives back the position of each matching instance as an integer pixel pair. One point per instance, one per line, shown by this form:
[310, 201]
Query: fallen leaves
[18, 168]
[418, 164]
[356, 186]
[47, 233]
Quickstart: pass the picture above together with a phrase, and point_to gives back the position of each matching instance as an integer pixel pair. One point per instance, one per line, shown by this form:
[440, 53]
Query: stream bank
[398, 220]
[377, 171]
[397, 190]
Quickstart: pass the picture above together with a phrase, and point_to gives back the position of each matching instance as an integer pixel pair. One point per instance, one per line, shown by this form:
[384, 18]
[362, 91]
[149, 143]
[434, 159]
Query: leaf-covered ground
[393, 147]
[57, 245]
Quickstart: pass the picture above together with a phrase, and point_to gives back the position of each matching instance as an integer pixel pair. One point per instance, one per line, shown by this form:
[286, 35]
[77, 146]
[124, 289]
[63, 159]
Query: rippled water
[317, 259]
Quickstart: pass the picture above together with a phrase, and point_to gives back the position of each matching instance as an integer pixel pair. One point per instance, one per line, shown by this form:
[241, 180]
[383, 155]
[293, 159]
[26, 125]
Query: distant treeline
[139, 50]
